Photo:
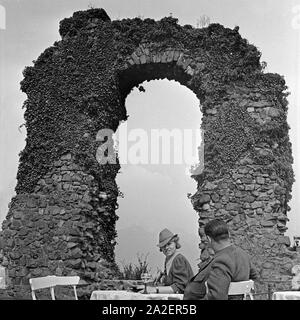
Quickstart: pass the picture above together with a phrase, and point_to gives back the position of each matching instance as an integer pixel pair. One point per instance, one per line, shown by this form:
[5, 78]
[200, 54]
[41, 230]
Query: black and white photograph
[149, 150]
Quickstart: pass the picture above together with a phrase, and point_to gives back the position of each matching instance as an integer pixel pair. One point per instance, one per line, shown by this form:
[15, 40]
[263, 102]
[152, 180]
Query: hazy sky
[158, 192]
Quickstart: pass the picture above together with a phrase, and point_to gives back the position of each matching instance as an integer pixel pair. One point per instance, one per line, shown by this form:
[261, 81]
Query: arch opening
[138, 73]
[156, 194]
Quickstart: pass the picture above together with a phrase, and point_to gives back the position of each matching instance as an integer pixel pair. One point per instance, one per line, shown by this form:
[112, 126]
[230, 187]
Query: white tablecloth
[164, 296]
[127, 295]
[286, 295]
[116, 295]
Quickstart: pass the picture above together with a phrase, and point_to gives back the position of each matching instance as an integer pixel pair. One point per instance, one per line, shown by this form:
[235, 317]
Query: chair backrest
[242, 288]
[296, 277]
[51, 282]
[42, 283]
[68, 281]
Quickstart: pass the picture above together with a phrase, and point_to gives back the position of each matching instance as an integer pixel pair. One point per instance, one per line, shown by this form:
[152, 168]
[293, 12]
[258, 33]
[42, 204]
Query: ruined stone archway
[63, 216]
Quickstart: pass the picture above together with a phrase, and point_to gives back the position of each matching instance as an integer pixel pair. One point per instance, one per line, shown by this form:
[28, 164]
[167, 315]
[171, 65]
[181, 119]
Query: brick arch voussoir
[145, 54]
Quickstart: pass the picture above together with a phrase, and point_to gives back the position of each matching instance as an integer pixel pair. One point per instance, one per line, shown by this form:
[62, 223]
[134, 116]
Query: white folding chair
[68, 281]
[241, 288]
[42, 283]
[296, 277]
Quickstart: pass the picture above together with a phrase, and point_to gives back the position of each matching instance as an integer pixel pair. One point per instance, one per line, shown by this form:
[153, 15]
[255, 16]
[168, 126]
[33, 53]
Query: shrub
[134, 271]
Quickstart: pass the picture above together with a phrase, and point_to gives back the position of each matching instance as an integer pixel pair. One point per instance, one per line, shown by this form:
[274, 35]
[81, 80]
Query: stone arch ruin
[63, 215]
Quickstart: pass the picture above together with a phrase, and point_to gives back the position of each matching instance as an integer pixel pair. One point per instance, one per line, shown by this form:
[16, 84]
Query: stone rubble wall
[53, 229]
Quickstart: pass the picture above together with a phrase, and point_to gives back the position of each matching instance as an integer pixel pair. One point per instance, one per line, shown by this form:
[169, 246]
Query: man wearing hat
[177, 270]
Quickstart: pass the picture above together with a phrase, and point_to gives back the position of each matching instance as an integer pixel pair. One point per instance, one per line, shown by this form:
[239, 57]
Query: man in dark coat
[196, 289]
[229, 264]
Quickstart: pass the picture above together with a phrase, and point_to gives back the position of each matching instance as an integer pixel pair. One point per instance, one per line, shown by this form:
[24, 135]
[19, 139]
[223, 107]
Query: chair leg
[269, 291]
[75, 292]
[52, 293]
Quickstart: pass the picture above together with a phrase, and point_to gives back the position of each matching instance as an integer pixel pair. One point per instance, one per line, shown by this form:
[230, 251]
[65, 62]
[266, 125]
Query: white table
[164, 296]
[116, 295]
[286, 295]
[127, 295]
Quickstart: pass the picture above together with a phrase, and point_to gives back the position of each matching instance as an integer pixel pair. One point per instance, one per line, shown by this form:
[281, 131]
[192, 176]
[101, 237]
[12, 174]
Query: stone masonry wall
[44, 230]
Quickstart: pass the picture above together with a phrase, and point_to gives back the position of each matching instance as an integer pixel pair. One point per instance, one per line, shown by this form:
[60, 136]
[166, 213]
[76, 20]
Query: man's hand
[160, 289]
[137, 287]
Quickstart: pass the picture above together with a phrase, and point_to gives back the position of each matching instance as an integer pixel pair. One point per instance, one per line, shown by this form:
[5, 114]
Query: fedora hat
[165, 236]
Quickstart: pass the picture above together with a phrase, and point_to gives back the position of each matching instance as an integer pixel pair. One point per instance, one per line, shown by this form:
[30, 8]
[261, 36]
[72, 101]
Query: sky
[154, 195]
